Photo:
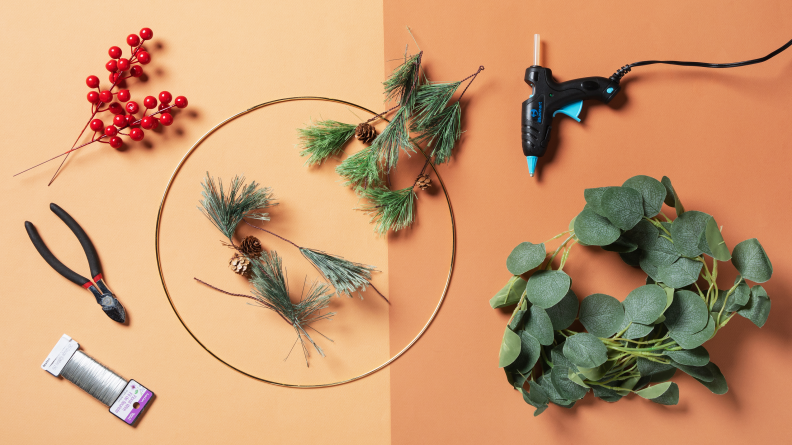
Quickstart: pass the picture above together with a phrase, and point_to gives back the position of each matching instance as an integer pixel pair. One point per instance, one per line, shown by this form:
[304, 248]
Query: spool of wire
[126, 399]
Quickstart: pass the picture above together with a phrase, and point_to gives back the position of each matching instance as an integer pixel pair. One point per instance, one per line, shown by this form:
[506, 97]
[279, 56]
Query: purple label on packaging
[131, 402]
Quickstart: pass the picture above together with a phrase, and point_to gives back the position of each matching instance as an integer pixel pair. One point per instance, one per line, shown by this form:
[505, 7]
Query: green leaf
[649, 368]
[652, 191]
[585, 350]
[524, 257]
[564, 313]
[628, 385]
[718, 384]
[575, 378]
[739, 297]
[568, 389]
[644, 234]
[621, 245]
[597, 373]
[700, 373]
[517, 319]
[660, 254]
[510, 348]
[654, 391]
[510, 294]
[536, 398]
[539, 325]
[645, 304]
[683, 272]
[530, 350]
[595, 230]
[669, 397]
[606, 394]
[552, 393]
[546, 288]
[751, 261]
[572, 229]
[688, 231]
[631, 258]
[594, 199]
[691, 357]
[687, 314]
[672, 199]
[692, 341]
[623, 206]
[601, 315]
[634, 330]
[717, 245]
[758, 308]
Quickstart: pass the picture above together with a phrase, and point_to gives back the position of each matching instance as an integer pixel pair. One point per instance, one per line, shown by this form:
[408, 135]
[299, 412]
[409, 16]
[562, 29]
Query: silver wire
[93, 378]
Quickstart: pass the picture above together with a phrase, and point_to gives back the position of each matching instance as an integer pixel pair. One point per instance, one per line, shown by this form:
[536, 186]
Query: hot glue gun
[550, 97]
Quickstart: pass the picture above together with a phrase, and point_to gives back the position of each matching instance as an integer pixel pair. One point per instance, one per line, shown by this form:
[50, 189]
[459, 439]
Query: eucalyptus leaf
[622, 206]
[758, 308]
[718, 384]
[606, 394]
[572, 229]
[552, 393]
[593, 198]
[669, 397]
[596, 373]
[517, 319]
[672, 199]
[751, 261]
[628, 385]
[634, 330]
[654, 391]
[585, 350]
[621, 245]
[690, 357]
[601, 315]
[559, 359]
[645, 304]
[683, 272]
[510, 294]
[516, 379]
[687, 232]
[738, 298]
[538, 324]
[692, 341]
[594, 229]
[700, 373]
[644, 234]
[575, 378]
[717, 245]
[568, 389]
[524, 257]
[687, 314]
[660, 254]
[631, 258]
[649, 368]
[530, 350]
[546, 288]
[536, 398]
[564, 313]
[510, 348]
[652, 191]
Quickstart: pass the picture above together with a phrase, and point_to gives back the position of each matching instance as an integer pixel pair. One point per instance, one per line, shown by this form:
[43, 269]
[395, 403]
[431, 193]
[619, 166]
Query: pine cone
[423, 182]
[239, 264]
[365, 132]
[251, 246]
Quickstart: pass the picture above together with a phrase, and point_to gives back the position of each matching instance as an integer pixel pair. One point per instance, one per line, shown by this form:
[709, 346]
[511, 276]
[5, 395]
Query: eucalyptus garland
[636, 345]
[423, 113]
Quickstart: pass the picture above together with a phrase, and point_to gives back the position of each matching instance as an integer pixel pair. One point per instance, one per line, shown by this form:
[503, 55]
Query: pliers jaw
[110, 304]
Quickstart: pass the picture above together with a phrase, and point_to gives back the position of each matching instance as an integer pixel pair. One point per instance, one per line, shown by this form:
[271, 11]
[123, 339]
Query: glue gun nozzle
[532, 160]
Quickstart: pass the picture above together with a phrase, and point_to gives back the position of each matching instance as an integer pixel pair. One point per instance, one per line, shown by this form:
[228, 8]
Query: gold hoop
[165, 286]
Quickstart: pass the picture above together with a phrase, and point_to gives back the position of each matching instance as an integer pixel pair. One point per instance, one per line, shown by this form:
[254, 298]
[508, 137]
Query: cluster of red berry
[125, 116]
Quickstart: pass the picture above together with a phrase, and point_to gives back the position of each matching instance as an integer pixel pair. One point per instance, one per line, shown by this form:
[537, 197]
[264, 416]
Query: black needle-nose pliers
[110, 304]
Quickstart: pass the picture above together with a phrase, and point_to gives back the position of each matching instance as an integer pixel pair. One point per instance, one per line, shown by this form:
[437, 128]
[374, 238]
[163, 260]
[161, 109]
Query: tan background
[225, 57]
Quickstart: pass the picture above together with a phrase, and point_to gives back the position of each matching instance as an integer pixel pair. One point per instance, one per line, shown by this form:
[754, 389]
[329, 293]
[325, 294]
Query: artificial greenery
[636, 345]
[421, 115]
[226, 209]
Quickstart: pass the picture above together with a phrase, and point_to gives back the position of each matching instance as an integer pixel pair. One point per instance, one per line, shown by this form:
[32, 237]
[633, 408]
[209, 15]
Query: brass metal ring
[165, 286]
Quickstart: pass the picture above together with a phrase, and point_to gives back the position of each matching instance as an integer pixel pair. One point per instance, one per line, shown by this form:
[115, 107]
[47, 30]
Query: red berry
[146, 33]
[123, 64]
[136, 134]
[93, 97]
[155, 123]
[147, 122]
[116, 142]
[112, 66]
[143, 57]
[120, 121]
[124, 95]
[165, 97]
[132, 107]
[110, 130]
[92, 82]
[115, 78]
[114, 51]
[97, 125]
[166, 119]
[116, 108]
[150, 102]
[136, 71]
[106, 96]
[162, 107]
[133, 40]
[181, 101]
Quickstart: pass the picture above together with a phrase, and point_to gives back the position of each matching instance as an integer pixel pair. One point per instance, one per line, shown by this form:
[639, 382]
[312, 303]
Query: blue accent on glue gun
[572, 110]
[532, 160]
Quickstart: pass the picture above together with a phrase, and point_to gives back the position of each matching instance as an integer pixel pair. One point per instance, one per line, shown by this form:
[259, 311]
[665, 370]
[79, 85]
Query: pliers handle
[111, 306]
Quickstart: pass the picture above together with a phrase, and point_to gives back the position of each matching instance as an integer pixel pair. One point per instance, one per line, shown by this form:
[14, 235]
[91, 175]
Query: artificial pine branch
[403, 81]
[394, 138]
[324, 139]
[430, 99]
[226, 209]
[390, 209]
[442, 131]
[360, 169]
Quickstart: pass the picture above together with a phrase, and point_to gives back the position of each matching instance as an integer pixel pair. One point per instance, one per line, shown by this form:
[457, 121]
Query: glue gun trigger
[572, 110]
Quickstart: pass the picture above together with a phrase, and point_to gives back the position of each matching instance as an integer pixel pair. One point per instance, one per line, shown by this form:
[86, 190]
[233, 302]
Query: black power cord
[626, 68]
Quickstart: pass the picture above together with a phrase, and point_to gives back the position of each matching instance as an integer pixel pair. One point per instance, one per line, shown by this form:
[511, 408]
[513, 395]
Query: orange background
[722, 136]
